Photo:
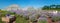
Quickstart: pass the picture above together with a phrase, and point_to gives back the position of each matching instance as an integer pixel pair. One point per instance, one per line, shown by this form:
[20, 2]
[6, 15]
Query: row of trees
[51, 7]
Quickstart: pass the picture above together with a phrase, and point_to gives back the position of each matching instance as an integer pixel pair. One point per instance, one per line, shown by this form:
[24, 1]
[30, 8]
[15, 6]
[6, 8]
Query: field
[21, 19]
[18, 20]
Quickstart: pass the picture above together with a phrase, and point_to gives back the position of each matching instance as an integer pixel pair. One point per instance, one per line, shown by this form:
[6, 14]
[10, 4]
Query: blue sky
[24, 3]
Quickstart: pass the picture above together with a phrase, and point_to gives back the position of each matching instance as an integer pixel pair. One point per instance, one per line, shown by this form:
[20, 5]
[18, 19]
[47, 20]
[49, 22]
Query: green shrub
[56, 18]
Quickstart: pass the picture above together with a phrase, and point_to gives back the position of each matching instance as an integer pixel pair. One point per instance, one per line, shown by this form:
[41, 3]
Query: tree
[51, 7]
[46, 8]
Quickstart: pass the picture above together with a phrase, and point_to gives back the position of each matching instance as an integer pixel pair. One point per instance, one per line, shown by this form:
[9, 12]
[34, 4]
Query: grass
[21, 20]
[41, 21]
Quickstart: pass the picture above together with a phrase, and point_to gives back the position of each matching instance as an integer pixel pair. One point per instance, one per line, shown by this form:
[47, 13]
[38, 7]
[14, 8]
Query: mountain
[12, 7]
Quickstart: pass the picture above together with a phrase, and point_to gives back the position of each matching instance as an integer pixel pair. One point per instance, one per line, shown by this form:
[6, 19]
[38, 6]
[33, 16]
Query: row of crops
[22, 18]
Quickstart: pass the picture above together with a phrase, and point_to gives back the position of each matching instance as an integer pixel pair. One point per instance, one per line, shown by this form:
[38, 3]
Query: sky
[25, 3]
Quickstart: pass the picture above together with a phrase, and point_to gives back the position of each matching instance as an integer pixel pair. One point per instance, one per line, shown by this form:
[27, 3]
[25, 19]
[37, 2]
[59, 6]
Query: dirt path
[6, 19]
